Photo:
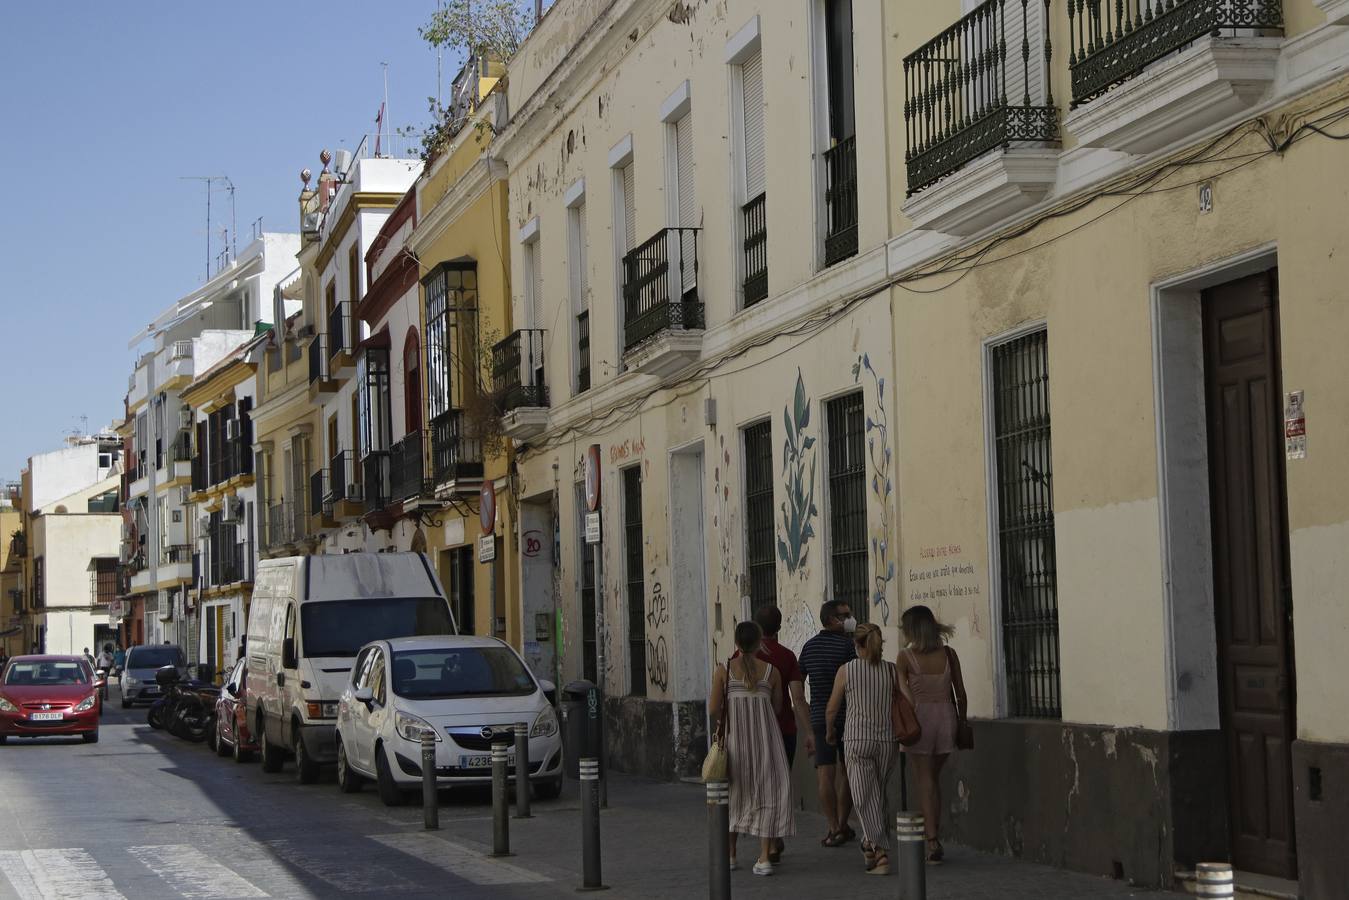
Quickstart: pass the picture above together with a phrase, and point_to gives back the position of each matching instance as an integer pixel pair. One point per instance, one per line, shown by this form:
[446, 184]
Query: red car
[231, 734]
[42, 695]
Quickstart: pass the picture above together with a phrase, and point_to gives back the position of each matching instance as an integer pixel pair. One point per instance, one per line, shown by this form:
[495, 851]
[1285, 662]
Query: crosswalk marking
[193, 874]
[342, 869]
[57, 875]
[457, 859]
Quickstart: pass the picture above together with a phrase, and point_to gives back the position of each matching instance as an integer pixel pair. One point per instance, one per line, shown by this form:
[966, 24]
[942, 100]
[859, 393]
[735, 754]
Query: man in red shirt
[794, 713]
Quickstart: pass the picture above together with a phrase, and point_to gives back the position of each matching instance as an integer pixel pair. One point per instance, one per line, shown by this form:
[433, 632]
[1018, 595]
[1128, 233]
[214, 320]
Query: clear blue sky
[104, 105]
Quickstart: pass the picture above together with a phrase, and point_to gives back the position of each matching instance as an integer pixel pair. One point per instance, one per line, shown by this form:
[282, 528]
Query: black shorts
[825, 754]
[789, 744]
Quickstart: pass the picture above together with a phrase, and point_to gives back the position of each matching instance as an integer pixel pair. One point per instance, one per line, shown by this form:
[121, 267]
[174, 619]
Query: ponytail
[868, 638]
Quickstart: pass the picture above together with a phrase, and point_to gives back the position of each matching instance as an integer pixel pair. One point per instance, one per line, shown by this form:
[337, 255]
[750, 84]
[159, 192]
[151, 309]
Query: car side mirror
[99, 682]
[366, 696]
[289, 659]
[232, 688]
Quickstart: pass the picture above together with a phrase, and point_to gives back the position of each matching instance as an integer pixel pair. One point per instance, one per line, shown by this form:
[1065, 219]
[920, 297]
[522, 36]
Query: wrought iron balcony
[320, 502]
[840, 201]
[407, 469]
[280, 524]
[343, 483]
[176, 554]
[517, 370]
[980, 85]
[378, 490]
[660, 286]
[755, 217]
[583, 352]
[318, 360]
[455, 456]
[1113, 41]
[339, 329]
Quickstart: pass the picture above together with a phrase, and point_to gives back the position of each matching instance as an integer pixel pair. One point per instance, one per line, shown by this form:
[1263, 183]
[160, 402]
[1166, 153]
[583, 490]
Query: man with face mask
[820, 660]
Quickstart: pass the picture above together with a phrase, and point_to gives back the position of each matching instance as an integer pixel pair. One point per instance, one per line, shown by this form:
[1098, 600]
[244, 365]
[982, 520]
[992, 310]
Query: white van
[308, 618]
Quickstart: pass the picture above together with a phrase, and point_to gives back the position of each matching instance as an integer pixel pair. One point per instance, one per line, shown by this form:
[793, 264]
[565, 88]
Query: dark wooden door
[1250, 568]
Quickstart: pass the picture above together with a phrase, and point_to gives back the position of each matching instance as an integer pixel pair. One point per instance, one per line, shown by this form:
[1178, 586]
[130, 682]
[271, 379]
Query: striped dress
[761, 792]
[869, 743]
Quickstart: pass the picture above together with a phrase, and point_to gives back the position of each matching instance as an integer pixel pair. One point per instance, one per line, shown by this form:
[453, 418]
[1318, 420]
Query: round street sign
[487, 507]
[593, 477]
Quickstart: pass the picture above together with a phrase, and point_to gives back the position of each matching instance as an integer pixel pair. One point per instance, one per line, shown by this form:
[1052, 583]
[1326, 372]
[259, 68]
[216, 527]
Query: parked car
[465, 690]
[231, 735]
[46, 695]
[308, 618]
[142, 663]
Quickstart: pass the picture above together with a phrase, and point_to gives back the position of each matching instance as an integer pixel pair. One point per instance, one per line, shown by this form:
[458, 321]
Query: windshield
[21, 673]
[460, 672]
[155, 657]
[341, 627]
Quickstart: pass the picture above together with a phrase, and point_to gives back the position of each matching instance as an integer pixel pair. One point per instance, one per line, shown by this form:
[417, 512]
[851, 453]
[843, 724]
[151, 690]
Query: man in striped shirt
[820, 660]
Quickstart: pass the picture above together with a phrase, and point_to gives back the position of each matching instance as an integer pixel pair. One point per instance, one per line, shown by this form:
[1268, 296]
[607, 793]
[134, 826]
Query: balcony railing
[583, 352]
[318, 359]
[230, 562]
[181, 350]
[407, 468]
[755, 215]
[339, 329]
[454, 455]
[176, 554]
[341, 472]
[517, 370]
[1114, 41]
[280, 524]
[182, 448]
[981, 84]
[377, 467]
[320, 503]
[660, 286]
[840, 201]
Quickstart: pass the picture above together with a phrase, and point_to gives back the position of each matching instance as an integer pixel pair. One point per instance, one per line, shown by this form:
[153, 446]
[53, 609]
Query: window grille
[1028, 585]
[635, 578]
[759, 529]
[845, 421]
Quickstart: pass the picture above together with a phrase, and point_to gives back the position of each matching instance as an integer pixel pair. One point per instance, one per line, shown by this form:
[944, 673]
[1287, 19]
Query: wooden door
[1250, 568]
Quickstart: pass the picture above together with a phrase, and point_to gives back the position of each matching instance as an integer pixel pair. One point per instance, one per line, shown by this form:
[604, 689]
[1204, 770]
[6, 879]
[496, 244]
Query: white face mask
[850, 624]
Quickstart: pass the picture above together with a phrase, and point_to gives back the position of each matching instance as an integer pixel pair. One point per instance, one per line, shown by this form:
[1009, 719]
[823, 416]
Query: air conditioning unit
[203, 524]
[342, 163]
[185, 417]
[231, 511]
[184, 494]
[356, 493]
[231, 429]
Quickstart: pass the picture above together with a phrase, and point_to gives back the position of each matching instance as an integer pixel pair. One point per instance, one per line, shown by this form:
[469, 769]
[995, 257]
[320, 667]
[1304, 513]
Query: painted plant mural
[882, 486]
[798, 476]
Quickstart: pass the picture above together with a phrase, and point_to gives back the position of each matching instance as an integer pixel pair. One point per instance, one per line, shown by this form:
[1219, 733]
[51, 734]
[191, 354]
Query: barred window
[845, 421]
[1028, 590]
[634, 577]
[759, 529]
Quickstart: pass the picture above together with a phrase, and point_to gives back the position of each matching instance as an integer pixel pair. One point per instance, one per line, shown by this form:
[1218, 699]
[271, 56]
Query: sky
[104, 106]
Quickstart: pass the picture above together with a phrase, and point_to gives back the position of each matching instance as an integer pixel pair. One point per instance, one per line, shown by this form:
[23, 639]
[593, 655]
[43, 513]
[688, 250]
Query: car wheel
[272, 760]
[306, 770]
[348, 782]
[389, 791]
[548, 790]
[220, 747]
[90, 737]
[240, 755]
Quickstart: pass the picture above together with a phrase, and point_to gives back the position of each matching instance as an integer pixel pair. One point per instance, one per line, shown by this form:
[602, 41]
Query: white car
[466, 690]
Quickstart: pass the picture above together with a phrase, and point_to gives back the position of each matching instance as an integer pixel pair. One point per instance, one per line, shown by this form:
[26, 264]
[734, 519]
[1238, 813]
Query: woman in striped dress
[749, 690]
[868, 685]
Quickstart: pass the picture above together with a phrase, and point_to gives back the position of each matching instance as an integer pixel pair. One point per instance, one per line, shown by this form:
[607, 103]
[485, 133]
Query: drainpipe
[152, 505]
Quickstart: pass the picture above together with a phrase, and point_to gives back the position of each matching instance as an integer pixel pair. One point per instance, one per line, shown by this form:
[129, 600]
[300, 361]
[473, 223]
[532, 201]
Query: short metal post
[501, 823]
[430, 800]
[522, 770]
[590, 825]
[718, 840]
[911, 838]
[1214, 880]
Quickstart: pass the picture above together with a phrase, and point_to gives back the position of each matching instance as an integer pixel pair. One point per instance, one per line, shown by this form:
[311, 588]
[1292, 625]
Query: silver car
[466, 690]
[138, 674]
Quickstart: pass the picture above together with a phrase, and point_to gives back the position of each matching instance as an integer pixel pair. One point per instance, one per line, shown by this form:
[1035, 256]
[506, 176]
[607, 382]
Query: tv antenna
[209, 181]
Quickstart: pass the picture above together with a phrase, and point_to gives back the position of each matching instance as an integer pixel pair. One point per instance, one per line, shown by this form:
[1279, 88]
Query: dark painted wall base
[656, 738]
[1321, 809]
[1120, 802]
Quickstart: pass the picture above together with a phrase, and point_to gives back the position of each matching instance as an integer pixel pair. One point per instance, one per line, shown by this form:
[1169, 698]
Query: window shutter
[752, 94]
[535, 286]
[684, 170]
[629, 207]
[582, 261]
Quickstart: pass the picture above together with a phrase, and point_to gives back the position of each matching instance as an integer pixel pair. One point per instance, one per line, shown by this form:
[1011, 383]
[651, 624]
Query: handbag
[903, 717]
[717, 763]
[964, 733]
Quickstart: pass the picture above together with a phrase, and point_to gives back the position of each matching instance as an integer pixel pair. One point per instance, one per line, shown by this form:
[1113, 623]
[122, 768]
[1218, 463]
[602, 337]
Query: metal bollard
[910, 840]
[501, 824]
[1214, 880]
[718, 840]
[590, 826]
[430, 800]
[522, 770]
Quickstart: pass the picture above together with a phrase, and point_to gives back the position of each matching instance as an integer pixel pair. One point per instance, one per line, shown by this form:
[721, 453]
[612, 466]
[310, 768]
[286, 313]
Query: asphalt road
[144, 815]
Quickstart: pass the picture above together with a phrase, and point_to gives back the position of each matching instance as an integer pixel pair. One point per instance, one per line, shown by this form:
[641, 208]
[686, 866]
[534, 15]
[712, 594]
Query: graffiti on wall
[657, 648]
[882, 488]
[798, 477]
[724, 523]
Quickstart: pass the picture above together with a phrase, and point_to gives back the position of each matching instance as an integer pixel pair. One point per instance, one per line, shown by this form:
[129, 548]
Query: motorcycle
[185, 710]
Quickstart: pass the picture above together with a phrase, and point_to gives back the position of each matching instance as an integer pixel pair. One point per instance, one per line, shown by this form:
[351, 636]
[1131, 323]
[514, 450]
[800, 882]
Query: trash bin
[580, 725]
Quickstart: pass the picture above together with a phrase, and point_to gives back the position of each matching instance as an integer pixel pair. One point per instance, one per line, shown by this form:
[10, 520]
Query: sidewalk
[654, 839]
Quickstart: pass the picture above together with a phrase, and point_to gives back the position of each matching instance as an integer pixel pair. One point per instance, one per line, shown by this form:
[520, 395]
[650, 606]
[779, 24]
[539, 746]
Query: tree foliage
[491, 29]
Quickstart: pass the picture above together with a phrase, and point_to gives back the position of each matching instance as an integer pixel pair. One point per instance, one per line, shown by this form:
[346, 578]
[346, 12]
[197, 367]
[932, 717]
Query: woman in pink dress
[929, 676]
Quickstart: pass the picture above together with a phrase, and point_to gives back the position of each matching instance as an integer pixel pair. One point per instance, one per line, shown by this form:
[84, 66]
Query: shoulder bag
[717, 763]
[903, 717]
[964, 733]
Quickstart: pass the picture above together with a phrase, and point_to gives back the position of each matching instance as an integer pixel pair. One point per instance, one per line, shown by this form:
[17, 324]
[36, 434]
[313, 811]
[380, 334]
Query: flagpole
[385, 109]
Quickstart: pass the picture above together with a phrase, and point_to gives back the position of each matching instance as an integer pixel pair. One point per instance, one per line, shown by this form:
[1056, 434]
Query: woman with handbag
[867, 685]
[746, 692]
[929, 677]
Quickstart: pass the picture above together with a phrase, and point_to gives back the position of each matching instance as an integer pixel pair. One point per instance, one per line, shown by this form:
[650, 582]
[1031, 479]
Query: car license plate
[47, 716]
[482, 761]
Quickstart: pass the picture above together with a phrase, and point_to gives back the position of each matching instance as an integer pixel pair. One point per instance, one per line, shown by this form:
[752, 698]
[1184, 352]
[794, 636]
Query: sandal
[869, 854]
[847, 834]
[934, 850]
[833, 839]
[881, 865]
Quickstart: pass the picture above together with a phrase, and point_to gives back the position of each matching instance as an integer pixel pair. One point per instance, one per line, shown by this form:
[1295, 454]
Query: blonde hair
[922, 630]
[868, 637]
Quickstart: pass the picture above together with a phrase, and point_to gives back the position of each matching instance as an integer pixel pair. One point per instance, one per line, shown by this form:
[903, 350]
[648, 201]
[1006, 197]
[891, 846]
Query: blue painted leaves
[798, 476]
